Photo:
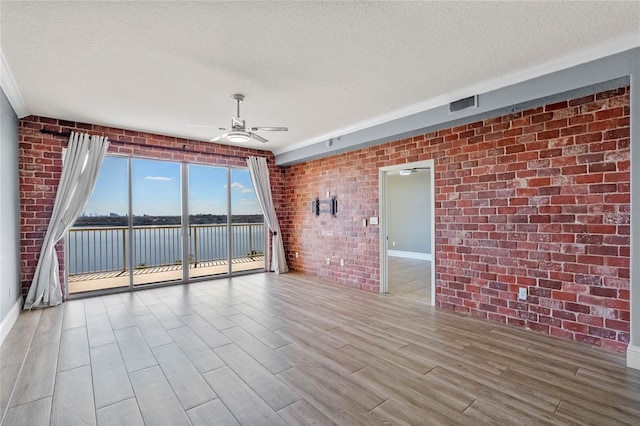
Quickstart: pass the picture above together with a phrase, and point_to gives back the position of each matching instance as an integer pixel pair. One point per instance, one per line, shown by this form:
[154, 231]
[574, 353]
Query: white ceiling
[320, 68]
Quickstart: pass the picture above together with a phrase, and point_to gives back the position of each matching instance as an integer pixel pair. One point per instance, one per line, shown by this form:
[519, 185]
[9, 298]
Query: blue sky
[157, 189]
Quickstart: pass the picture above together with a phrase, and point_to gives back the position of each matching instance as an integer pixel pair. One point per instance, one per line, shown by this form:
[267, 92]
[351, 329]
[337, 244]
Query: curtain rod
[167, 148]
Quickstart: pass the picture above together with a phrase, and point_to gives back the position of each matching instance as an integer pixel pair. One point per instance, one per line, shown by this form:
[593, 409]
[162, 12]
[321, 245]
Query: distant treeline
[198, 219]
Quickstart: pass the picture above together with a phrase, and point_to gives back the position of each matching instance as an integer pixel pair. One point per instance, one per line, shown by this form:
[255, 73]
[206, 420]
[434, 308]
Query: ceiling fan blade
[258, 137]
[219, 138]
[270, 129]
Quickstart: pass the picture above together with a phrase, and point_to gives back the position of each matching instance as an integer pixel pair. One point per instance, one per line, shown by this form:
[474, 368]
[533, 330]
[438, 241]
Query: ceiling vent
[470, 102]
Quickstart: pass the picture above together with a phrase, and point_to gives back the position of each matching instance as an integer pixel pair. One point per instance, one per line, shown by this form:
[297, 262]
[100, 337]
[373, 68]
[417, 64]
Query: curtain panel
[80, 166]
[260, 179]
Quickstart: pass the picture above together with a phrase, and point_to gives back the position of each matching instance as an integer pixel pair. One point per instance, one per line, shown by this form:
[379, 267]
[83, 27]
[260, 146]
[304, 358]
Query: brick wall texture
[41, 166]
[537, 199]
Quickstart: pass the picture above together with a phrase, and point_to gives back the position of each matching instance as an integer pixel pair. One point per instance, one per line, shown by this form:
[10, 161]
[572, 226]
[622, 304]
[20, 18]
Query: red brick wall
[537, 199]
[41, 165]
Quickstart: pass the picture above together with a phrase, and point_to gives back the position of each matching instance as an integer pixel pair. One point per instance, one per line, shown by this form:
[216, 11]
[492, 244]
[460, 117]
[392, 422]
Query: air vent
[470, 102]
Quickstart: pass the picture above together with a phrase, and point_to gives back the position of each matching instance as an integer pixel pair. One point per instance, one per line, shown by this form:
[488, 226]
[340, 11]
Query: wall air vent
[459, 105]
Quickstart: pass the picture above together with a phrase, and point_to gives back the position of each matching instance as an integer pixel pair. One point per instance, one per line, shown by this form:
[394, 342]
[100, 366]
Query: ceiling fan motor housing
[238, 132]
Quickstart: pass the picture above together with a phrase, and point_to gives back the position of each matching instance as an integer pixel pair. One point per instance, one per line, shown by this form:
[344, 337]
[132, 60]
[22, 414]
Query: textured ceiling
[319, 68]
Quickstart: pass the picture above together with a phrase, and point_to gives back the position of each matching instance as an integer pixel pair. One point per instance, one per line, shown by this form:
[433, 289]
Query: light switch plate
[522, 293]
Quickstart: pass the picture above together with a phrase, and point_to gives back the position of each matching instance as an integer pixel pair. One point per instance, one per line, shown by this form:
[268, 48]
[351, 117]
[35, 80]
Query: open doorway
[407, 231]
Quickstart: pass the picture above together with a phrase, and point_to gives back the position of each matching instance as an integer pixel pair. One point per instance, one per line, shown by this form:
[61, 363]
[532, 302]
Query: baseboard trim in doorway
[10, 319]
[409, 254]
[633, 357]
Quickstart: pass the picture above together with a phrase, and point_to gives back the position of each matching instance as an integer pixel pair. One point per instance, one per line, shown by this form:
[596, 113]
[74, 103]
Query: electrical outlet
[296, 255]
[341, 262]
[328, 261]
[522, 293]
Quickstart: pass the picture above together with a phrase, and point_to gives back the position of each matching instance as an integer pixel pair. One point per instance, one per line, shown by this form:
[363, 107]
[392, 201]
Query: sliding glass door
[208, 221]
[247, 224]
[97, 246]
[152, 222]
[156, 207]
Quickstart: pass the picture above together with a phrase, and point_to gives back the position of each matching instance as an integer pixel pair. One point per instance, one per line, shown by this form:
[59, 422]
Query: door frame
[384, 232]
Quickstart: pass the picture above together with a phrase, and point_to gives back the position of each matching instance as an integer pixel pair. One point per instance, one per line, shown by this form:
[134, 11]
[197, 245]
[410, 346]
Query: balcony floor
[105, 280]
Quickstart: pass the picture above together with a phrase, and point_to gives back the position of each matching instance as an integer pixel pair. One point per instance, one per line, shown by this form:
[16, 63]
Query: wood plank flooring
[410, 279]
[267, 350]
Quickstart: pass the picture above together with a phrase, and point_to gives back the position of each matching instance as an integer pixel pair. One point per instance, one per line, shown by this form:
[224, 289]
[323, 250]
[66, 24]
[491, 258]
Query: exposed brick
[616, 134]
[617, 325]
[582, 100]
[591, 340]
[539, 199]
[602, 188]
[602, 332]
[576, 307]
[564, 315]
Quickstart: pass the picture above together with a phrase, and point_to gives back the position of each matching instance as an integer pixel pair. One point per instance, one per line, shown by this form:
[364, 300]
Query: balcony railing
[105, 249]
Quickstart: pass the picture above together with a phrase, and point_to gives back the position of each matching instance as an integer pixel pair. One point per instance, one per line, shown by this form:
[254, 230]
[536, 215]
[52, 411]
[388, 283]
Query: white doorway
[404, 266]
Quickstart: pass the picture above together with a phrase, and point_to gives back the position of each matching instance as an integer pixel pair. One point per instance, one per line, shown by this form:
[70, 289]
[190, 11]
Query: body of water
[101, 249]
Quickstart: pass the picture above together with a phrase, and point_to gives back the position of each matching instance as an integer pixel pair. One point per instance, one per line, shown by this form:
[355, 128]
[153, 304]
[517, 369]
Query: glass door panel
[157, 221]
[148, 219]
[247, 224]
[97, 244]
[208, 229]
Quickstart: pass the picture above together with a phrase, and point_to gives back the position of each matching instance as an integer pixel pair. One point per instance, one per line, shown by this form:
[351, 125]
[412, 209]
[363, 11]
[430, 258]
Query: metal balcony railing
[105, 249]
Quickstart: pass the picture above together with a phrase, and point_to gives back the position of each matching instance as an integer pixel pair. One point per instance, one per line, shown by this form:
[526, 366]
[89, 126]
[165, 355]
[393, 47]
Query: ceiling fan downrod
[238, 98]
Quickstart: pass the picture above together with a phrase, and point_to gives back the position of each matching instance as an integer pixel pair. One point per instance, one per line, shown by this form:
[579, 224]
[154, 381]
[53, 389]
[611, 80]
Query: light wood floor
[266, 349]
[410, 279]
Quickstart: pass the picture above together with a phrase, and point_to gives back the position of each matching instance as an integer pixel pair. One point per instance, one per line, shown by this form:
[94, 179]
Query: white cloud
[157, 178]
[236, 185]
[247, 190]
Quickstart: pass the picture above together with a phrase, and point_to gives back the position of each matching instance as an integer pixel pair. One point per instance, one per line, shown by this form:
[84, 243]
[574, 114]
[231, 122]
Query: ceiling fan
[239, 131]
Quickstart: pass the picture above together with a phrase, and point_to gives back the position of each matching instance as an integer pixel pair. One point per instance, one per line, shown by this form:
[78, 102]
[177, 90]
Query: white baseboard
[633, 357]
[409, 254]
[10, 319]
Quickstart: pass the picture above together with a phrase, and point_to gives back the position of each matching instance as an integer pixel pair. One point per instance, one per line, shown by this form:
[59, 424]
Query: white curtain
[260, 178]
[80, 166]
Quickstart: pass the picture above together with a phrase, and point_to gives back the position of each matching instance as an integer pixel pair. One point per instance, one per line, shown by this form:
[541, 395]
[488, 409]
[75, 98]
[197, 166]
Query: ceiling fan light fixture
[238, 137]
[405, 172]
[239, 132]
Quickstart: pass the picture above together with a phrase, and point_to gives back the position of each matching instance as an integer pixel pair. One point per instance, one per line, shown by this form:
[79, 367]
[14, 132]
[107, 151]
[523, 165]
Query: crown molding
[8, 84]
[588, 54]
